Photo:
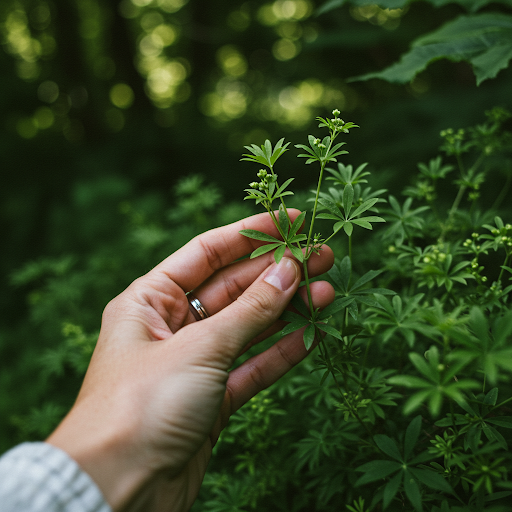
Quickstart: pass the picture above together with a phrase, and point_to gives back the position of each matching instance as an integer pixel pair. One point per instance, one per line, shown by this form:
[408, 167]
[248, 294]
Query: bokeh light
[285, 49]
[48, 91]
[231, 61]
[122, 96]
[387, 18]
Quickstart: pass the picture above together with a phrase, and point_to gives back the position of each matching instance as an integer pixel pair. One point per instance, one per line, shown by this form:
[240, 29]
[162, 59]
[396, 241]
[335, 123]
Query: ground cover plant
[404, 404]
[406, 401]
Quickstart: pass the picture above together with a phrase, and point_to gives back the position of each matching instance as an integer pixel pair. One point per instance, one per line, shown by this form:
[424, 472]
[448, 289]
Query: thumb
[256, 309]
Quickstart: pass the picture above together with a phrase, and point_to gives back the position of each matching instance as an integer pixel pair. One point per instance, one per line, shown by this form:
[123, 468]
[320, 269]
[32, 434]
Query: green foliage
[428, 332]
[484, 40]
[421, 324]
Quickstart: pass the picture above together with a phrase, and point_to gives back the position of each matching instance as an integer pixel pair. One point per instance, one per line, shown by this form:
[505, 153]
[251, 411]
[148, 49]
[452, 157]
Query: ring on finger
[196, 308]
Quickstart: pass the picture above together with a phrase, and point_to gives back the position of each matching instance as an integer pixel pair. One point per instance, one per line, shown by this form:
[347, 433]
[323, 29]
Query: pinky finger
[262, 370]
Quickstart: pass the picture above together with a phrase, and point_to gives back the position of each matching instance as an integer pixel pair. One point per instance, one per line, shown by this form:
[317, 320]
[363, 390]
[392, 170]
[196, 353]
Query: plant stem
[308, 286]
[327, 358]
[315, 207]
[282, 200]
[309, 250]
[501, 404]
[457, 201]
[504, 264]
[276, 222]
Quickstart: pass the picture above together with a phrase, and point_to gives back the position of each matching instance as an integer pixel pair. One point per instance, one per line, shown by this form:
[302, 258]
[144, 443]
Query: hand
[158, 390]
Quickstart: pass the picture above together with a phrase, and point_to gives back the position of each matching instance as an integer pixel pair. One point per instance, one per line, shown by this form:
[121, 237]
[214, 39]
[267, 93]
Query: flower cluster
[265, 178]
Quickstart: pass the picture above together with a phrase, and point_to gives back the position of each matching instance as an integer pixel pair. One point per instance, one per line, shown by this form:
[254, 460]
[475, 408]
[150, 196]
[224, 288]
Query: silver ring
[196, 308]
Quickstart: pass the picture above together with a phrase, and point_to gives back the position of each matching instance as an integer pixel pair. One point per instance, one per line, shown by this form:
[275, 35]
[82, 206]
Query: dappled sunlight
[387, 18]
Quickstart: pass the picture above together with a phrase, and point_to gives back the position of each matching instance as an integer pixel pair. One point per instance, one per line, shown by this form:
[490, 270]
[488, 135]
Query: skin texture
[159, 388]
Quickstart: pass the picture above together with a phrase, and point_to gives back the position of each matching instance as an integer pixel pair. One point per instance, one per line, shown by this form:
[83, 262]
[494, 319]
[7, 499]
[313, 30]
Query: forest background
[123, 123]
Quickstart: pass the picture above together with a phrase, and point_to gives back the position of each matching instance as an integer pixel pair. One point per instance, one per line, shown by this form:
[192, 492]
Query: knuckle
[233, 286]
[261, 301]
[258, 376]
[285, 356]
[213, 254]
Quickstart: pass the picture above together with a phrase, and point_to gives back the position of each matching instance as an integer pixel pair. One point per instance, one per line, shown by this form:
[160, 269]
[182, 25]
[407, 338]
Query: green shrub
[406, 402]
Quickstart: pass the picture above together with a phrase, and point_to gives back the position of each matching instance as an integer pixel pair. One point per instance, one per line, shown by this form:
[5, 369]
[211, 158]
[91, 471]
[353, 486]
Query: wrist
[106, 453]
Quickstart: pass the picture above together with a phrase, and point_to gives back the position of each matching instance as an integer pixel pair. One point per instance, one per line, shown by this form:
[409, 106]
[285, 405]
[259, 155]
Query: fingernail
[282, 275]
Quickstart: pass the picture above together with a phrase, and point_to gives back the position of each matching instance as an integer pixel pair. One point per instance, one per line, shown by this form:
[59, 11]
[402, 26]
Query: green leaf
[309, 336]
[409, 381]
[493, 435]
[297, 252]
[363, 207]
[345, 271]
[281, 189]
[328, 216]
[297, 238]
[264, 249]
[297, 223]
[431, 479]
[348, 198]
[300, 305]
[371, 274]
[411, 436]
[294, 326]
[491, 397]
[473, 436]
[484, 40]
[412, 491]
[416, 400]
[362, 223]
[502, 421]
[392, 488]
[331, 206]
[348, 227]
[388, 446]
[278, 255]
[267, 149]
[329, 330]
[336, 306]
[258, 235]
[283, 219]
[376, 470]
[290, 316]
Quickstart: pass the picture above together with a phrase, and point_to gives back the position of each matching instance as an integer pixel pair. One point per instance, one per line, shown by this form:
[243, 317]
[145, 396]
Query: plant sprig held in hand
[267, 192]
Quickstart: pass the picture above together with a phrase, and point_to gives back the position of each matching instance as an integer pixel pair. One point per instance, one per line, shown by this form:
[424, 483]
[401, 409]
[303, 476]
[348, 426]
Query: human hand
[158, 390]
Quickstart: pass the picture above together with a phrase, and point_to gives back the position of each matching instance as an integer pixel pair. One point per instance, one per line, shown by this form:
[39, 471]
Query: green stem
[504, 264]
[282, 200]
[276, 222]
[309, 251]
[308, 286]
[457, 201]
[315, 207]
[333, 135]
[327, 358]
[463, 188]
[503, 193]
[501, 404]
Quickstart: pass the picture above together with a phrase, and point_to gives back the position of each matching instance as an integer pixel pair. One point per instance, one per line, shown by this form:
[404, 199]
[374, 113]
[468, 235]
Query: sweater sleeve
[38, 477]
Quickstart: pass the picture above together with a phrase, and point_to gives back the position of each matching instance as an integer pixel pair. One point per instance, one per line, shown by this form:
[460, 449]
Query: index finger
[189, 266]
